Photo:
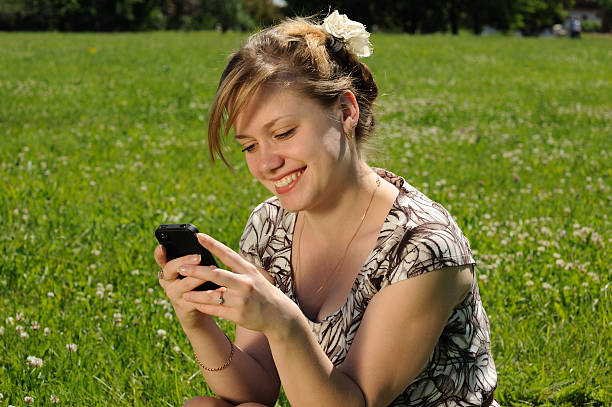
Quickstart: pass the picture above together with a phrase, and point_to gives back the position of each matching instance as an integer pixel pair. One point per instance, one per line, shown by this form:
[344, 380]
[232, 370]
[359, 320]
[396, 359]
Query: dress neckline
[362, 270]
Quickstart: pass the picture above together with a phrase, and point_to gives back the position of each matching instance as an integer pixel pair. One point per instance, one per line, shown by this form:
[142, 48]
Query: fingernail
[195, 258]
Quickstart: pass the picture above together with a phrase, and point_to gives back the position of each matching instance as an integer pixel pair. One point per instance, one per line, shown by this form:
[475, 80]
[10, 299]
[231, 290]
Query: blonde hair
[296, 53]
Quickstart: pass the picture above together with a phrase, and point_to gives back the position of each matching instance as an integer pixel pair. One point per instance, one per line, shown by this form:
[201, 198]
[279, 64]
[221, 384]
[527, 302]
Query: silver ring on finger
[221, 300]
[160, 275]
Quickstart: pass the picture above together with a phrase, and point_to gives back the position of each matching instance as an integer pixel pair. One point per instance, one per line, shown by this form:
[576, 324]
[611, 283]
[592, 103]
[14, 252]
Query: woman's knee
[206, 401]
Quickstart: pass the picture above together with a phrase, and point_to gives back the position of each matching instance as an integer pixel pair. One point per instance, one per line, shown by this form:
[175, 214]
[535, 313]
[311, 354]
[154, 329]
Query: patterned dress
[418, 236]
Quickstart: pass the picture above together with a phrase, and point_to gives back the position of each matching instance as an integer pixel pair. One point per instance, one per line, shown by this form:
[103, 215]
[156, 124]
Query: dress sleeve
[251, 240]
[430, 246]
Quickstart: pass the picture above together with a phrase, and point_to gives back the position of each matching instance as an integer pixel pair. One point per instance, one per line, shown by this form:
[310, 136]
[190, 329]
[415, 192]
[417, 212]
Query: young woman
[351, 287]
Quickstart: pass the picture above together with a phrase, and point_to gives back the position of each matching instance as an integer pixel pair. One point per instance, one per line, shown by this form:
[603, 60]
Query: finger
[219, 311]
[208, 302]
[218, 276]
[229, 257]
[213, 297]
[160, 255]
[171, 268]
[177, 288]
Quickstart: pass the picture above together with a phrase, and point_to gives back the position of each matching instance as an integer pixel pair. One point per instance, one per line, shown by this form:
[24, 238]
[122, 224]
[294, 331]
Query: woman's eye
[248, 149]
[285, 134]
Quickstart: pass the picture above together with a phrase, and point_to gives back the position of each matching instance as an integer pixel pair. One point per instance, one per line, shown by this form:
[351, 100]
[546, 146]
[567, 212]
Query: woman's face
[294, 147]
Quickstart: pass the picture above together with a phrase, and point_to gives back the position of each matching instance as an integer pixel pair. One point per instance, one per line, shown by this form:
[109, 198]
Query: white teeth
[288, 179]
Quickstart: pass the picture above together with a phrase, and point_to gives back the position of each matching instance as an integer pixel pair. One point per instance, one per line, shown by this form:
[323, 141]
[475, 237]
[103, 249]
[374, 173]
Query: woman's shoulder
[412, 208]
[426, 237]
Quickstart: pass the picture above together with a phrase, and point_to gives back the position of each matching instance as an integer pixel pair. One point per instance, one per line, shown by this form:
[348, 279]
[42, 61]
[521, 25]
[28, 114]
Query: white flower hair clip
[351, 34]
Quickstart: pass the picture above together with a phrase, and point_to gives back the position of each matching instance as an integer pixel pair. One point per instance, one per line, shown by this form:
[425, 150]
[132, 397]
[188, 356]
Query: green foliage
[532, 16]
[125, 15]
[590, 26]
[263, 12]
[102, 138]
[428, 16]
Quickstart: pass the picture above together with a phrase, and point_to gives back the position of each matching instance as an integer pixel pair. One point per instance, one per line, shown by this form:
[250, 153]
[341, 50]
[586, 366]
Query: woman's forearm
[308, 377]
[243, 380]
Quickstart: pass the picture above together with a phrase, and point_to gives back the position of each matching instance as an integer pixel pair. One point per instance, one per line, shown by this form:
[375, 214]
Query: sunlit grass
[512, 135]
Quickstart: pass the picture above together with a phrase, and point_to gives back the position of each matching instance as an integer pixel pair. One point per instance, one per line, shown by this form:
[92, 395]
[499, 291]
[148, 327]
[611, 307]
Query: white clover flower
[9, 321]
[352, 33]
[19, 316]
[72, 347]
[529, 283]
[135, 272]
[33, 361]
[117, 317]
[46, 331]
[1, 333]
[546, 286]
[28, 399]
[50, 294]
[54, 399]
[19, 328]
[24, 335]
[161, 333]
[176, 349]
[169, 316]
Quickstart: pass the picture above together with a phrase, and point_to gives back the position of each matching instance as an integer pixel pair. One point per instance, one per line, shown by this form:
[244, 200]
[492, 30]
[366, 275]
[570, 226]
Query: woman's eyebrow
[265, 126]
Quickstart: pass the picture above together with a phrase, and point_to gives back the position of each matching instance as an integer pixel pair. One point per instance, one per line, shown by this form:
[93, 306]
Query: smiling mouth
[283, 182]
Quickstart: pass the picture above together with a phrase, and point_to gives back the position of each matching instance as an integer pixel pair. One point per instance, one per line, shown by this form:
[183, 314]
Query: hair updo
[294, 54]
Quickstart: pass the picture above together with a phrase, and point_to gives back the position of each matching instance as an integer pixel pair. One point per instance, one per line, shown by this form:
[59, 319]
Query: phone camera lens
[163, 236]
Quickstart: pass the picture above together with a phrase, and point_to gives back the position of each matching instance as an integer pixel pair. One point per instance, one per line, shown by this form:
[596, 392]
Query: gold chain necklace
[341, 261]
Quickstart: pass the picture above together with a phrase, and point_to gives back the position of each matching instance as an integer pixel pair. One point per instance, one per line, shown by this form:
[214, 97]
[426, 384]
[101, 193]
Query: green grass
[102, 137]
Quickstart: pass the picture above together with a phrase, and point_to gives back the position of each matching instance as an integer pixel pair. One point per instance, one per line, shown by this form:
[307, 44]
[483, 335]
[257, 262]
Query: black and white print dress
[418, 236]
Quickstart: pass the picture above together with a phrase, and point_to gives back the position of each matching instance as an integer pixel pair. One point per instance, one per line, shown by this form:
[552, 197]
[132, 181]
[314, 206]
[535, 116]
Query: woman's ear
[350, 111]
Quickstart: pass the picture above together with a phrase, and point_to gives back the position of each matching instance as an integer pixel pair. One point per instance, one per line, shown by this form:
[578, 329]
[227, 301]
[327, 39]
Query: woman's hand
[175, 288]
[249, 299]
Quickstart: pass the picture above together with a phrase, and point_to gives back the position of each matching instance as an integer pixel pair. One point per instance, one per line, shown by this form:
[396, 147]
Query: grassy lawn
[102, 137]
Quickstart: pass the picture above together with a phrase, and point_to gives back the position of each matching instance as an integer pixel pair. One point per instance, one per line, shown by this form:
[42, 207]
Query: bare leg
[205, 401]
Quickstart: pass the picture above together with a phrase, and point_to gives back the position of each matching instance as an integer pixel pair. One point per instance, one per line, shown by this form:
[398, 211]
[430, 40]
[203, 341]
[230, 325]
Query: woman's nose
[270, 159]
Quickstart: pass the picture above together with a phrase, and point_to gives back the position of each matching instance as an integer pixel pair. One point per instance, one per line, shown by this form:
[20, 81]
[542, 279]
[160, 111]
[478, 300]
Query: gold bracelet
[223, 366]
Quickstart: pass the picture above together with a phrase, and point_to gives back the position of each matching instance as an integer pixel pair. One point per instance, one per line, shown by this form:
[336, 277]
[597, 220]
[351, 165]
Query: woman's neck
[345, 206]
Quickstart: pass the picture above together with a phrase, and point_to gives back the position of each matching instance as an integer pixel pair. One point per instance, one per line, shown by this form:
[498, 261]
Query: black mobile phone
[180, 240]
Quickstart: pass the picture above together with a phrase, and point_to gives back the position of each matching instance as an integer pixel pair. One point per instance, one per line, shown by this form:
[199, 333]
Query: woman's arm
[399, 330]
[251, 375]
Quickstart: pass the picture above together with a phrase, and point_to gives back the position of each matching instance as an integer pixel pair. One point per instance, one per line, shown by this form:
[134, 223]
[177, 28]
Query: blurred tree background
[411, 16]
